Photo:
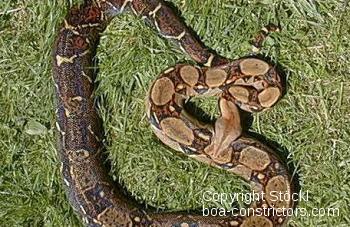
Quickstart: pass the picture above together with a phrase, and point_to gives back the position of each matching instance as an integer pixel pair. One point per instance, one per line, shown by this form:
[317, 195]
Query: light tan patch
[172, 144]
[61, 167]
[210, 60]
[230, 80]
[215, 77]
[77, 98]
[259, 85]
[224, 156]
[250, 80]
[264, 29]
[204, 136]
[137, 219]
[86, 220]
[154, 115]
[96, 221]
[87, 77]
[234, 223]
[169, 70]
[203, 158]
[179, 99]
[241, 171]
[180, 87]
[111, 217]
[253, 66]
[240, 81]
[261, 176]
[147, 107]
[240, 93]
[269, 96]
[93, 133]
[58, 127]
[60, 60]
[200, 87]
[83, 178]
[275, 187]
[254, 158]
[184, 224]
[162, 91]
[82, 209]
[258, 221]
[68, 26]
[189, 74]
[80, 155]
[280, 220]
[190, 91]
[190, 148]
[90, 25]
[255, 49]
[66, 112]
[66, 182]
[177, 130]
[277, 165]
[153, 13]
[180, 36]
[212, 92]
[124, 5]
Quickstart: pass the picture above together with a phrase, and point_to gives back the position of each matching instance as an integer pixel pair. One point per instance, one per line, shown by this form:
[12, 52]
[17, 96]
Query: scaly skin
[251, 84]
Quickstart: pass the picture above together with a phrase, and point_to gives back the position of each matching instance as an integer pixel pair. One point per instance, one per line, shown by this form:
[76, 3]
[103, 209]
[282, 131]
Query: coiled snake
[250, 83]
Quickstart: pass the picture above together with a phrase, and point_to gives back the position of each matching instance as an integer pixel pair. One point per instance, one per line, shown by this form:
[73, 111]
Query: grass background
[311, 122]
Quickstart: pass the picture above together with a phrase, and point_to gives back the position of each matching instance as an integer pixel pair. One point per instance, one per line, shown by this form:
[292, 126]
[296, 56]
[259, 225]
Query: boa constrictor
[249, 83]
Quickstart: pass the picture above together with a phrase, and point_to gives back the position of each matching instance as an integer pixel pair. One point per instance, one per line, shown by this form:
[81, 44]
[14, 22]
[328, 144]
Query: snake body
[249, 83]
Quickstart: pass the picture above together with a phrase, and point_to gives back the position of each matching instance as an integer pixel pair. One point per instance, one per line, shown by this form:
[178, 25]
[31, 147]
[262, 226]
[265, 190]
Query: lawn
[311, 123]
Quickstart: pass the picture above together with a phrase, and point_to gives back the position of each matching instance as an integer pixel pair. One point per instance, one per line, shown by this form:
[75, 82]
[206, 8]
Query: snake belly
[250, 84]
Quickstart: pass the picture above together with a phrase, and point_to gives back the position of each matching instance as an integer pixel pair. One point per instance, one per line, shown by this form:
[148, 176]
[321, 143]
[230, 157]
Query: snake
[249, 83]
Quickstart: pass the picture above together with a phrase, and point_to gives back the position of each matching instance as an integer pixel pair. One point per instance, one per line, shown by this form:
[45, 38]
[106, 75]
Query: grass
[311, 122]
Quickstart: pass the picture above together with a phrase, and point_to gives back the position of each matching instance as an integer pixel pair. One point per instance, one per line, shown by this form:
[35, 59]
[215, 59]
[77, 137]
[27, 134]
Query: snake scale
[249, 83]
